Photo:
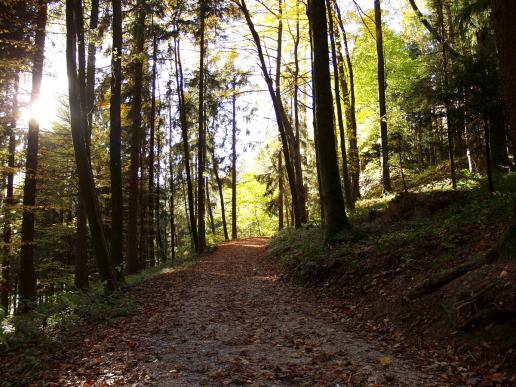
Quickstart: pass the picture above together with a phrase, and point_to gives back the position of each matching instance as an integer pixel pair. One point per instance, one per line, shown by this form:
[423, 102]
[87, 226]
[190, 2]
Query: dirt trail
[229, 320]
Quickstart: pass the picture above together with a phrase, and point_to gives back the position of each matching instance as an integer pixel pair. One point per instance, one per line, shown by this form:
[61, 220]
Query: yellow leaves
[385, 361]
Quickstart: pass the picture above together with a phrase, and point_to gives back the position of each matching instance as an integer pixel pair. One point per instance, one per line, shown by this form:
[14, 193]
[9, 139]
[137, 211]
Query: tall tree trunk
[79, 124]
[27, 275]
[159, 237]
[135, 140]
[298, 202]
[219, 187]
[498, 139]
[284, 127]
[487, 144]
[186, 145]
[9, 202]
[447, 103]
[208, 206]
[351, 120]
[172, 185]
[201, 192]
[90, 66]
[81, 254]
[504, 15]
[297, 142]
[172, 220]
[144, 206]
[280, 192]
[314, 124]
[335, 217]
[345, 172]
[81, 277]
[151, 201]
[115, 143]
[234, 231]
[384, 146]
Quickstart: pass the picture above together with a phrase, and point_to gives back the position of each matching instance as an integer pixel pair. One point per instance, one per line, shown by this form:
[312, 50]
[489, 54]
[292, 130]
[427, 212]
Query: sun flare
[42, 110]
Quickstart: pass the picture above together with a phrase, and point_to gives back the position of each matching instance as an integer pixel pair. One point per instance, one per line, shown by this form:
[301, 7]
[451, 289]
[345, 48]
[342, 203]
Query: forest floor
[230, 319]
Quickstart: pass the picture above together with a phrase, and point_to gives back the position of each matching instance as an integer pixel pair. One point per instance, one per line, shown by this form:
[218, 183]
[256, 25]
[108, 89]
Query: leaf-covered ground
[230, 320]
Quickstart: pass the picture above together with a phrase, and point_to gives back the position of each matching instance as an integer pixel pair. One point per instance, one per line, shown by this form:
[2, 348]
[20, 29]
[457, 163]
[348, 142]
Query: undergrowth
[68, 309]
[436, 240]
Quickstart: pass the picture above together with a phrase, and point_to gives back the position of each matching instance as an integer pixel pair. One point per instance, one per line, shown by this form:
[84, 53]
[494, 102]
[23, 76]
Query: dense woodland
[188, 123]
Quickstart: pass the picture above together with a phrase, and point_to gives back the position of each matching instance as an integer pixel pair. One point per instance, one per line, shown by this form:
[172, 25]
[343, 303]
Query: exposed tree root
[504, 249]
[438, 281]
[491, 314]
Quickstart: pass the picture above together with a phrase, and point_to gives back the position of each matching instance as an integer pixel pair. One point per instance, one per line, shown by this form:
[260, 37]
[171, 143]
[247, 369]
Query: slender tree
[348, 96]
[384, 146]
[9, 201]
[297, 125]
[27, 275]
[201, 192]
[151, 194]
[446, 92]
[336, 76]
[281, 221]
[234, 231]
[284, 126]
[184, 135]
[218, 180]
[172, 176]
[351, 120]
[115, 133]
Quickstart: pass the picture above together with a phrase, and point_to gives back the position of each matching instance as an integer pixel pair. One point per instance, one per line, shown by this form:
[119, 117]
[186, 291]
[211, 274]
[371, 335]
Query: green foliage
[304, 254]
[438, 239]
[66, 310]
[300, 251]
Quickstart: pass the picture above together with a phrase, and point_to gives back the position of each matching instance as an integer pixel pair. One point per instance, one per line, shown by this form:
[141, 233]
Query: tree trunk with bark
[172, 183]
[220, 189]
[335, 218]
[337, 76]
[351, 121]
[384, 145]
[9, 202]
[115, 143]
[447, 102]
[504, 16]
[234, 231]
[201, 192]
[136, 132]
[79, 124]
[81, 256]
[27, 275]
[151, 201]
[186, 145]
[280, 192]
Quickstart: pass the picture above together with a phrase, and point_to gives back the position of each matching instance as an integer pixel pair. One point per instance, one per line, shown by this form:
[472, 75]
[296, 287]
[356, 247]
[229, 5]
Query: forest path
[230, 320]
